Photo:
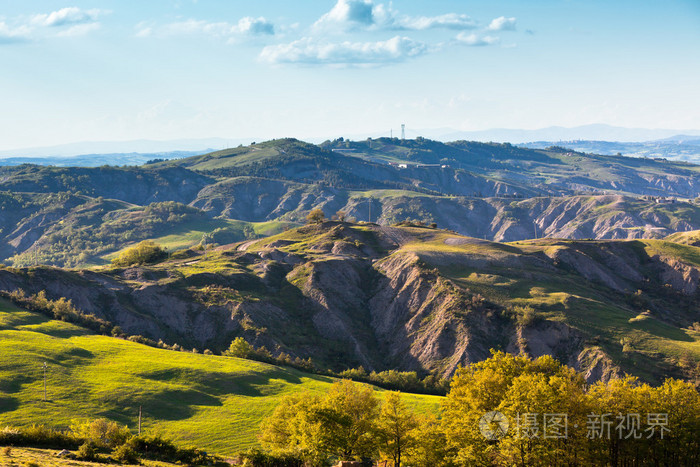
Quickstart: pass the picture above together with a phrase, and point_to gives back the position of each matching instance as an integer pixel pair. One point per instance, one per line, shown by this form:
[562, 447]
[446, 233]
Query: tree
[339, 425]
[239, 348]
[316, 216]
[145, 252]
[396, 425]
[347, 421]
[293, 429]
[341, 215]
[516, 387]
[429, 445]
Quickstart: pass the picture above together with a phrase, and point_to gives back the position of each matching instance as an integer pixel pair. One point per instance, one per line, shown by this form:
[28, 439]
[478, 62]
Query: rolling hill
[80, 216]
[409, 298]
[203, 401]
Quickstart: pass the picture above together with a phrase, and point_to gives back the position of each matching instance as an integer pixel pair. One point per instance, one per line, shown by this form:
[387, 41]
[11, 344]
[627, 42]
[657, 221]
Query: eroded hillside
[80, 216]
[409, 298]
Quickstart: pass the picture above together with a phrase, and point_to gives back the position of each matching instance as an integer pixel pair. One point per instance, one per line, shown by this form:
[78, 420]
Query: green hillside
[211, 402]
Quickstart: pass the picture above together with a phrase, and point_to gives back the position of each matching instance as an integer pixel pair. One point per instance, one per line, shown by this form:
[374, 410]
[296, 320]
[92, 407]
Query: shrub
[38, 436]
[143, 253]
[157, 448]
[102, 432]
[239, 348]
[7, 451]
[315, 216]
[87, 451]
[257, 458]
[125, 454]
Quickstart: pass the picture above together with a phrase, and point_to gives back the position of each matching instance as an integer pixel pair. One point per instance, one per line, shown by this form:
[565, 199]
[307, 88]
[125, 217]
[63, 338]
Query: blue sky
[167, 69]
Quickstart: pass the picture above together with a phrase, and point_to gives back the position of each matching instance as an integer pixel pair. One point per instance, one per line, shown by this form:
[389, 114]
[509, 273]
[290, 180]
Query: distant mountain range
[143, 146]
[596, 132]
[150, 149]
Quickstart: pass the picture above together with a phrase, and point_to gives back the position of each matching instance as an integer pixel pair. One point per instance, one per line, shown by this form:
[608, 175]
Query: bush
[239, 348]
[143, 253]
[38, 436]
[125, 455]
[157, 448]
[87, 451]
[102, 432]
[315, 216]
[257, 458]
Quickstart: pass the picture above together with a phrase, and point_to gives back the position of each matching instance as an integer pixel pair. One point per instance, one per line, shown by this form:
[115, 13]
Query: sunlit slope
[215, 403]
[621, 296]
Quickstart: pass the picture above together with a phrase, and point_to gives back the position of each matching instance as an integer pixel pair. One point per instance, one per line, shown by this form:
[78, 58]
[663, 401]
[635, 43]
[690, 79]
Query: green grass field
[21, 457]
[211, 402]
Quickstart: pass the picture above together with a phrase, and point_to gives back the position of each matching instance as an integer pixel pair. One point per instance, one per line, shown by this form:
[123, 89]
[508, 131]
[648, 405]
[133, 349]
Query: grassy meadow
[210, 402]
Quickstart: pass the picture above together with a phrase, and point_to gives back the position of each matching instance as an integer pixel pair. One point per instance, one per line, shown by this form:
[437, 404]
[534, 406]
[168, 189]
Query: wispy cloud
[447, 21]
[352, 15]
[65, 22]
[502, 24]
[245, 27]
[67, 17]
[475, 40]
[11, 35]
[79, 30]
[310, 52]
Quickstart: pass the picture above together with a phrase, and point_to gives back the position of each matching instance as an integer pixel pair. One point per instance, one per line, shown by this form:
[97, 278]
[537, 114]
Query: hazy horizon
[188, 69]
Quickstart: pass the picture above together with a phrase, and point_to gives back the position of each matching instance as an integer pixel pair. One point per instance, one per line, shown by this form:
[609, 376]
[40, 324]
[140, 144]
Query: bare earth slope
[409, 298]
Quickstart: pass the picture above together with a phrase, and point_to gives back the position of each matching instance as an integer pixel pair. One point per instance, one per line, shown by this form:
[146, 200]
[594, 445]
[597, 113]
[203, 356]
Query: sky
[107, 70]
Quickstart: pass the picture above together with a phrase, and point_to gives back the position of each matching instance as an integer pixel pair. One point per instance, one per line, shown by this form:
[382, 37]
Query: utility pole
[535, 226]
[139, 420]
[44, 381]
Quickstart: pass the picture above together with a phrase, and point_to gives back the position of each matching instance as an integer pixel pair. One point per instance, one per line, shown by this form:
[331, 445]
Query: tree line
[504, 411]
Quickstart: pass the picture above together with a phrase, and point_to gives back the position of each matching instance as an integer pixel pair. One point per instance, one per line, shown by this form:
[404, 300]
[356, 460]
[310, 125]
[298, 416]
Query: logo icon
[493, 425]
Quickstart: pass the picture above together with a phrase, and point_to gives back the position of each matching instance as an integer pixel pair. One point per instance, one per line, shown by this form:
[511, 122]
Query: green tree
[339, 425]
[239, 348]
[347, 420]
[293, 429]
[430, 444]
[396, 425]
[341, 215]
[143, 253]
[517, 387]
[315, 216]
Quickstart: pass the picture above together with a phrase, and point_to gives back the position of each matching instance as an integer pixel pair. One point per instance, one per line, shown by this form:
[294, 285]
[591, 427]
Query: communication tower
[403, 131]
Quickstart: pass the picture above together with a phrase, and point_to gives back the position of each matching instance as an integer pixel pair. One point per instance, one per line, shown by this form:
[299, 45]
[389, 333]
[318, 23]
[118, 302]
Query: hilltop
[409, 298]
[67, 216]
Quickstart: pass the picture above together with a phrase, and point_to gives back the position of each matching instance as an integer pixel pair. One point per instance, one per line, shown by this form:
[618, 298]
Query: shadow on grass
[221, 383]
[174, 404]
[659, 329]
[14, 383]
[8, 404]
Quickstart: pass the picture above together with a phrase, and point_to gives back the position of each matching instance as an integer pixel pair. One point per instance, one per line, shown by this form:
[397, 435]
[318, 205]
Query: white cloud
[477, 41]
[310, 52]
[245, 27]
[350, 15]
[192, 26]
[447, 21]
[502, 24]
[67, 17]
[254, 26]
[79, 30]
[10, 34]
